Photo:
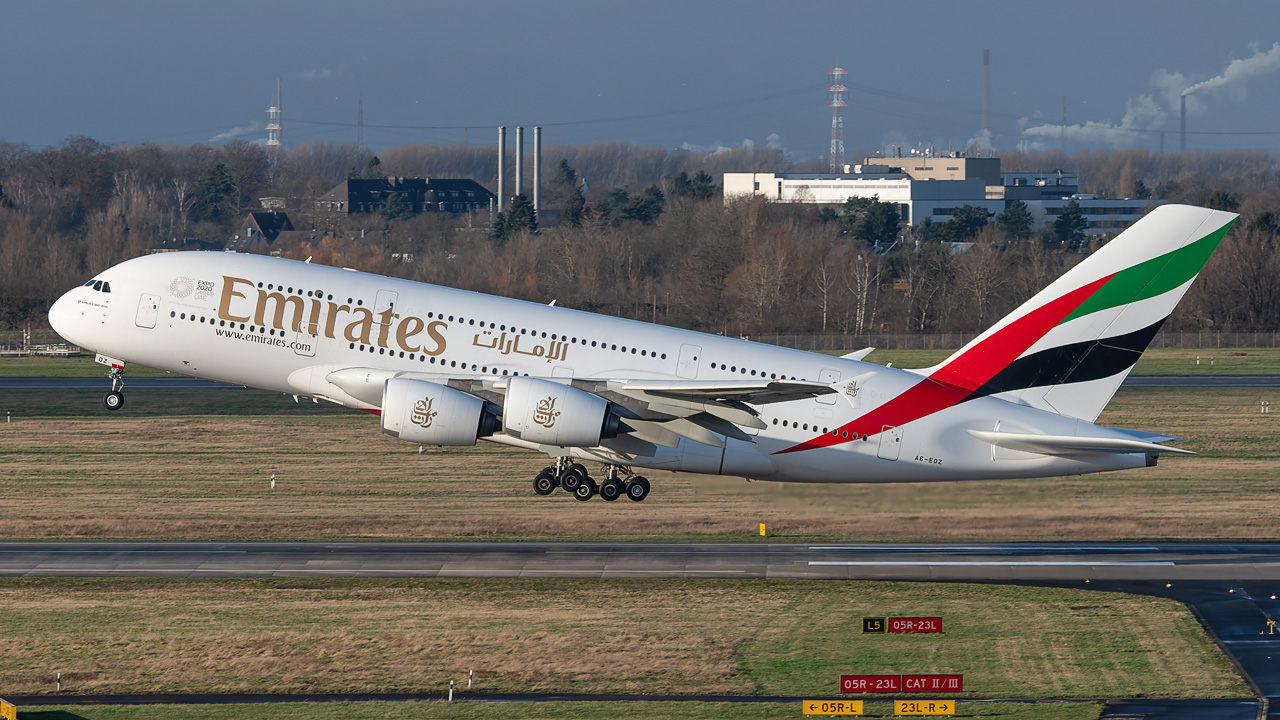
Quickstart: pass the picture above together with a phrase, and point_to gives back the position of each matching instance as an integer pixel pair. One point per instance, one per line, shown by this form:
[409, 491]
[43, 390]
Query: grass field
[1156, 361]
[741, 637]
[167, 475]
[524, 711]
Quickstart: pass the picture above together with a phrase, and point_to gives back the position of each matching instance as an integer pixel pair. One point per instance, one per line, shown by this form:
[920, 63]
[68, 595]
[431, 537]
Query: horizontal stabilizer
[858, 354]
[1068, 445]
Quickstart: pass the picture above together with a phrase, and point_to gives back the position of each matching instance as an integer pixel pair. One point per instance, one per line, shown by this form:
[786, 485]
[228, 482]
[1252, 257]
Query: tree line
[647, 235]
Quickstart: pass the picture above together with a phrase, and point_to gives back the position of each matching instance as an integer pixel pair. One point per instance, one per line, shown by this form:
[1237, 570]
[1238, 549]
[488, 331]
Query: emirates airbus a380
[448, 367]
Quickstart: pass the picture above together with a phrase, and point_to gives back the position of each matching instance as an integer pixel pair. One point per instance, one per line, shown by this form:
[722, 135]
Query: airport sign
[932, 683]
[915, 625]
[873, 625]
[870, 683]
[924, 707]
[832, 707]
[8, 711]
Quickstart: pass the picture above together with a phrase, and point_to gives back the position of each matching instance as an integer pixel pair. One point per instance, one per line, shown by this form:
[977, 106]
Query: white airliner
[448, 367]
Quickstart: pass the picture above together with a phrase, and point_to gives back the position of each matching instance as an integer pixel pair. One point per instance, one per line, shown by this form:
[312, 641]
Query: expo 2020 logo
[182, 286]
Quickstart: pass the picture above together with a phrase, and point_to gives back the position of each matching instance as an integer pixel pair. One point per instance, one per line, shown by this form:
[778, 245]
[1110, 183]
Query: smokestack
[986, 91]
[502, 164]
[1182, 143]
[537, 168]
[519, 159]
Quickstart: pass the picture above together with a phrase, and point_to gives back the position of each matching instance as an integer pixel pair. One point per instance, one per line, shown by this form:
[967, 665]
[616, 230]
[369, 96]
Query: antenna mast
[273, 119]
[837, 116]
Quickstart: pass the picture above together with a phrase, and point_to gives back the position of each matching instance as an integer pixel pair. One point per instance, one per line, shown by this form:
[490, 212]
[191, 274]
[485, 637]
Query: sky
[694, 74]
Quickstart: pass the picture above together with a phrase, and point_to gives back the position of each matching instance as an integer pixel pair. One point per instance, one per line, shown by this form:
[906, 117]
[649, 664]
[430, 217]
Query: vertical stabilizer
[1069, 347]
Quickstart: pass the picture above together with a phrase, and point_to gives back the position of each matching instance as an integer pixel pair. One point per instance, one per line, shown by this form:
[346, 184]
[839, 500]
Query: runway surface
[184, 383]
[1231, 587]
[1220, 563]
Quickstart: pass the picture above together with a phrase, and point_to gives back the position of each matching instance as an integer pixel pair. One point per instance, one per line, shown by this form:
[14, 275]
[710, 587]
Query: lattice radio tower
[273, 119]
[837, 116]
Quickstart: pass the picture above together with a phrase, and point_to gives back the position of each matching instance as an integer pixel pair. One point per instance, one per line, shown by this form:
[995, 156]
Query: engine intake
[549, 413]
[433, 414]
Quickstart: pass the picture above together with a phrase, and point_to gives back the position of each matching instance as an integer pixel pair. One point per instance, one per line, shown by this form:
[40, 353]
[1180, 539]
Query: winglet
[858, 354]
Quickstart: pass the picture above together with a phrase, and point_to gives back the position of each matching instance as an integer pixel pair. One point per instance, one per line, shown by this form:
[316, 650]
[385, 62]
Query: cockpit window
[106, 286]
[89, 284]
[98, 286]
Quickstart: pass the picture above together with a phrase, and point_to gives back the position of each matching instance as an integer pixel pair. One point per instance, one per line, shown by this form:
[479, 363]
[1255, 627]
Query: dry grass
[337, 477]
[597, 636]
[522, 711]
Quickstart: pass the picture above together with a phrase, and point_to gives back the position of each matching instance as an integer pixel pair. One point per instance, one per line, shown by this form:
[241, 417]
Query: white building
[935, 186]
[916, 199]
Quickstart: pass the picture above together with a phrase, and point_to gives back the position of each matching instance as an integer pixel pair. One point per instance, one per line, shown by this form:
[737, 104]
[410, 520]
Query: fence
[951, 341]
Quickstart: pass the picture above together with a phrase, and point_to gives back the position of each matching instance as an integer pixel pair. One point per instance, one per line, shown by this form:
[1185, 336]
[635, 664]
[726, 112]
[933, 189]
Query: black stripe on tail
[1074, 363]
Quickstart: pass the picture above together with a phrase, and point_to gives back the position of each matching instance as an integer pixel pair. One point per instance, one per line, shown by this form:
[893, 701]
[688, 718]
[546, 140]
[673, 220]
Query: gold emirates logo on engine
[546, 413]
[422, 414]
[315, 317]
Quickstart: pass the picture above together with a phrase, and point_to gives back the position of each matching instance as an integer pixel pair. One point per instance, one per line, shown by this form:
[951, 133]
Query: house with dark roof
[363, 195]
[259, 231]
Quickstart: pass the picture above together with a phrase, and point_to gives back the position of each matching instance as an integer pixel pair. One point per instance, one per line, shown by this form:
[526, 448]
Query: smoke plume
[1239, 71]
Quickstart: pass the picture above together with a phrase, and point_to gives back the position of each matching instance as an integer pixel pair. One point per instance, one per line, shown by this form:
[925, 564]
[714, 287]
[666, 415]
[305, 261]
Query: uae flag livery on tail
[1068, 348]
[1095, 320]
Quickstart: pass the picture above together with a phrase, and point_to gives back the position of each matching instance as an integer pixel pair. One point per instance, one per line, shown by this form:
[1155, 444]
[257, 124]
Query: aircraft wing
[753, 392]
[1068, 445]
[657, 410]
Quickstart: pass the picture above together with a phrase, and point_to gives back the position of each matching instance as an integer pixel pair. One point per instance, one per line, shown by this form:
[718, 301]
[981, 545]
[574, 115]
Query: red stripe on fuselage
[958, 379]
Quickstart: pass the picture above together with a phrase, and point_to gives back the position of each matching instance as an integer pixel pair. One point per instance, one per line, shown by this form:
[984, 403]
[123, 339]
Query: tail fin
[1067, 349]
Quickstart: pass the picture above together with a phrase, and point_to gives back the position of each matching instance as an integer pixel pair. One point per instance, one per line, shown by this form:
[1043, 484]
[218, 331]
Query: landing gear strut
[114, 400]
[573, 478]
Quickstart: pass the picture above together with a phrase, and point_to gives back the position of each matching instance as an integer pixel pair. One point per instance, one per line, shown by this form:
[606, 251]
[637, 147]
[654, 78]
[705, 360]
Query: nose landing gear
[573, 478]
[114, 399]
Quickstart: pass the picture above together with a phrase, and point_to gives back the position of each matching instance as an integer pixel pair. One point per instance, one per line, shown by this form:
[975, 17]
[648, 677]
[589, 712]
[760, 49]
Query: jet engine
[433, 414]
[549, 413]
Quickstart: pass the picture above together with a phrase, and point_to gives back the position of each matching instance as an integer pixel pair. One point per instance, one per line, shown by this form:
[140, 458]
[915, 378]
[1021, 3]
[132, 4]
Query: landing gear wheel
[584, 491]
[544, 484]
[637, 489]
[114, 400]
[610, 490]
[573, 478]
[580, 469]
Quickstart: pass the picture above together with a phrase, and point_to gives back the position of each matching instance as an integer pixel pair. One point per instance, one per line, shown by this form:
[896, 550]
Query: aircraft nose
[62, 316]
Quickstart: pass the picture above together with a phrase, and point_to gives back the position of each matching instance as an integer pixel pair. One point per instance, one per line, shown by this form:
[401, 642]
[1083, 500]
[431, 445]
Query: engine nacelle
[433, 414]
[549, 413]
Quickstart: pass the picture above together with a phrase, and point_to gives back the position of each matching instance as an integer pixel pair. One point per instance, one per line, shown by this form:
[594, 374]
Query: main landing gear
[114, 400]
[573, 478]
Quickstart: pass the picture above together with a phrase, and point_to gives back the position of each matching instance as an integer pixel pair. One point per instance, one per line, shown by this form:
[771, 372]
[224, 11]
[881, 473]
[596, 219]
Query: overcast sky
[695, 73]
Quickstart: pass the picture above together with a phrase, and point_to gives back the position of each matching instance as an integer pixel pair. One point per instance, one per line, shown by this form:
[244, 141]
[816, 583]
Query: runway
[1231, 587]
[185, 383]
[1003, 562]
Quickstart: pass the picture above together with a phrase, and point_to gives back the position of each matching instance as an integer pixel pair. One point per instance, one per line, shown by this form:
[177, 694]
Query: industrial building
[928, 186]
[363, 195]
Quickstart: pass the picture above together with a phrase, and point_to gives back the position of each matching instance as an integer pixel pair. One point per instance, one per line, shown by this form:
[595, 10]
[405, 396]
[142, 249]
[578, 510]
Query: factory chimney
[1182, 143]
[537, 169]
[986, 92]
[519, 159]
[502, 164]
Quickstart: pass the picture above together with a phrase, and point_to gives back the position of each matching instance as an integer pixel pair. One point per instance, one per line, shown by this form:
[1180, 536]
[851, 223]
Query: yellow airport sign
[924, 707]
[8, 711]
[832, 707]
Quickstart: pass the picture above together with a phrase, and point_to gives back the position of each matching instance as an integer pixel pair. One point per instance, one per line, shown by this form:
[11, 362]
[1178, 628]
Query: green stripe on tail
[1154, 277]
